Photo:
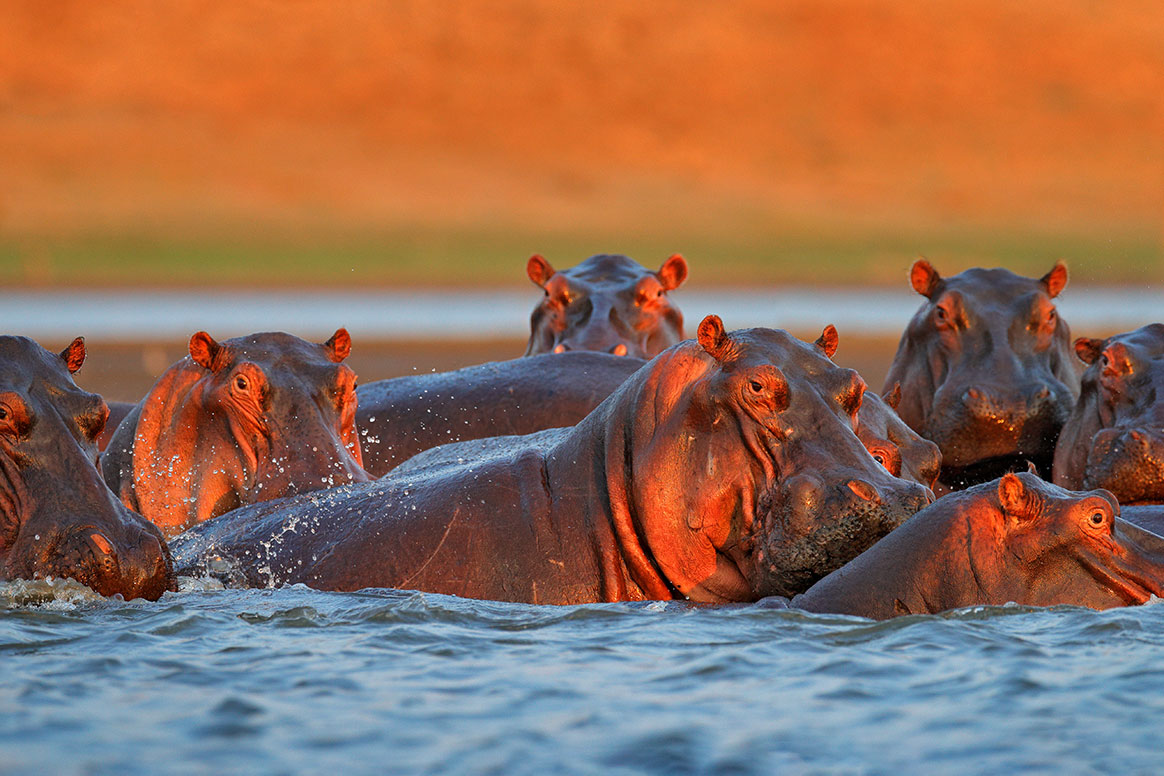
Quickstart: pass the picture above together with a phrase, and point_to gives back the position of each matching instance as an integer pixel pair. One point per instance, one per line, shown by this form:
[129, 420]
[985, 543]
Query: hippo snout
[135, 564]
[983, 403]
[1127, 461]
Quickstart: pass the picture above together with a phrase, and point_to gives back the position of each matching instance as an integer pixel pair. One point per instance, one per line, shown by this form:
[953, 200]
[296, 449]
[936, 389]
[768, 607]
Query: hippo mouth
[961, 477]
[1131, 586]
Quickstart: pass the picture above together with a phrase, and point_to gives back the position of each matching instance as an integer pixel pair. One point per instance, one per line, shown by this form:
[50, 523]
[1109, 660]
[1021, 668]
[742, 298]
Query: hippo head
[750, 480]
[1114, 438]
[985, 370]
[57, 517]
[608, 303]
[1016, 539]
[894, 445]
[245, 420]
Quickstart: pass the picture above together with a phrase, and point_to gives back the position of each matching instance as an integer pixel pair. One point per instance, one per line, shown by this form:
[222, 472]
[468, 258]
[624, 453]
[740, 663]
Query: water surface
[297, 681]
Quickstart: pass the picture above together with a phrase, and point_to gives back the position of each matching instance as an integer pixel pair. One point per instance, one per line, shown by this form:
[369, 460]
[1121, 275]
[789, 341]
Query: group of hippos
[617, 461]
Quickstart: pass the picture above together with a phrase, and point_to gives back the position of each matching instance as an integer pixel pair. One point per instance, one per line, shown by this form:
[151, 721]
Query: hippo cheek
[1129, 463]
[1117, 581]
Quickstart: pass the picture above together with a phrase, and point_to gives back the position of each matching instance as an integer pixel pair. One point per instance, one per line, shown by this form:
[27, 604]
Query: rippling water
[297, 681]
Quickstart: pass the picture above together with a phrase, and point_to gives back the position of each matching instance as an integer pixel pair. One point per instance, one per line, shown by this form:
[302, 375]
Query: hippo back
[401, 417]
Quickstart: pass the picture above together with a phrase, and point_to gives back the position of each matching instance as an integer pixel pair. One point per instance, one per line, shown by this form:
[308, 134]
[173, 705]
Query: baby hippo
[1016, 539]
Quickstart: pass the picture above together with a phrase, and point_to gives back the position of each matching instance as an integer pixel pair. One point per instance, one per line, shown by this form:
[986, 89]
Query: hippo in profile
[709, 468]
[985, 370]
[238, 422]
[57, 518]
[400, 417]
[608, 303]
[1017, 539]
[1114, 438]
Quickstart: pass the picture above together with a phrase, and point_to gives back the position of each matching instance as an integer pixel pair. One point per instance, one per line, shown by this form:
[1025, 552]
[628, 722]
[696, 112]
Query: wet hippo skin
[608, 303]
[724, 470]
[1114, 438]
[237, 422]
[1017, 539]
[399, 418]
[57, 518]
[985, 370]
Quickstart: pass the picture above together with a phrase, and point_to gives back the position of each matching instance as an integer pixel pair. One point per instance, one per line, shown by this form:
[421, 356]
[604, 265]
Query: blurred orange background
[728, 126]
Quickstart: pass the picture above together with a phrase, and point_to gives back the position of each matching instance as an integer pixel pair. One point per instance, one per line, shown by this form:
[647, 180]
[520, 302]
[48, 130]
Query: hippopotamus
[985, 371]
[894, 445]
[723, 470]
[1017, 539]
[237, 422]
[1114, 437]
[400, 417]
[57, 518]
[117, 412]
[608, 303]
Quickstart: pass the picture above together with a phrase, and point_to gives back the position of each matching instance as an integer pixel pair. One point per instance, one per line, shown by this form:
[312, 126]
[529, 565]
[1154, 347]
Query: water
[297, 681]
[163, 316]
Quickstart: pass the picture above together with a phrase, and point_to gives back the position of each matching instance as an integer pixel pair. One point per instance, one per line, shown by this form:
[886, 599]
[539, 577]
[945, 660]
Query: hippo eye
[241, 383]
[1097, 519]
[3, 413]
[756, 386]
[879, 458]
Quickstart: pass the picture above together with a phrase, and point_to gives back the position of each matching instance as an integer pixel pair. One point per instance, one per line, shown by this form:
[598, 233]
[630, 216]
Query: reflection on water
[293, 680]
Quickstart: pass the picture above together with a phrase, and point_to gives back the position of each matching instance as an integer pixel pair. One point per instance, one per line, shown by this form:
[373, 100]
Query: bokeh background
[257, 145]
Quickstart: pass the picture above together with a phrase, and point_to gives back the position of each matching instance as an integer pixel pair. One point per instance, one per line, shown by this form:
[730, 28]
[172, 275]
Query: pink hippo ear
[828, 340]
[539, 270]
[205, 351]
[74, 355]
[924, 278]
[715, 340]
[892, 397]
[673, 272]
[1089, 349]
[1015, 499]
[1055, 280]
[339, 346]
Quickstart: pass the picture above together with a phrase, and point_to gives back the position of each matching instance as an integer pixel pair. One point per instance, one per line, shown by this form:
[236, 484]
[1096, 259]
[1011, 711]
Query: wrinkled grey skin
[985, 369]
[608, 303]
[1114, 438]
[57, 518]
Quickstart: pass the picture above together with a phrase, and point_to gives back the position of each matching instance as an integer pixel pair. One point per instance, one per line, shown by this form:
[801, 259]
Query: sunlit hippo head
[240, 421]
[57, 518]
[608, 303]
[811, 494]
[893, 444]
[1114, 438]
[985, 370]
[1016, 539]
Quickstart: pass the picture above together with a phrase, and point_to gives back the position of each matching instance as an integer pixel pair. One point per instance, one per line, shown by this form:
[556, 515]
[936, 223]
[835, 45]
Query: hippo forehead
[991, 288]
[607, 269]
[1145, 342]
[279, 352]
[776, 346]
[27, 368]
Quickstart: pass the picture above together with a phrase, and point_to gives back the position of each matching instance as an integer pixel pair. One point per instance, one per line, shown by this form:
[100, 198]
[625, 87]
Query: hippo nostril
[102, 543]
[1136, 436]
[972, 394]
[1042, 394]
[559, 348]
[863, 490]
[619, 349]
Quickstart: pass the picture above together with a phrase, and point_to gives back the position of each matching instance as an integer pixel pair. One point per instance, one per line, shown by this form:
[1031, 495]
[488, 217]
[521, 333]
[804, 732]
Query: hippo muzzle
[133, 562]
[1129, 462]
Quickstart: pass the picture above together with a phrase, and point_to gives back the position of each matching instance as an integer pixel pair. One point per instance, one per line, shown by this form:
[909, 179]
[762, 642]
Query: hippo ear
[892, 397]
[673, 272]
[205, 351]
[539, 270]
[1089, 349]
[924, 278]
[339, 346]
[714, 339]
[74, 355]
[1055, 280]
[1013, 496]
[827, 341]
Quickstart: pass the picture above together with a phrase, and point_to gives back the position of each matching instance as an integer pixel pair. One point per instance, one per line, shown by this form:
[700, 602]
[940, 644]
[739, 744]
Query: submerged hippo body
[57, 518]
[399, 418]
[708, 469]
[985, 371]
[608, 303]
[1017, 539]
[1114, 438]
[237, 422]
